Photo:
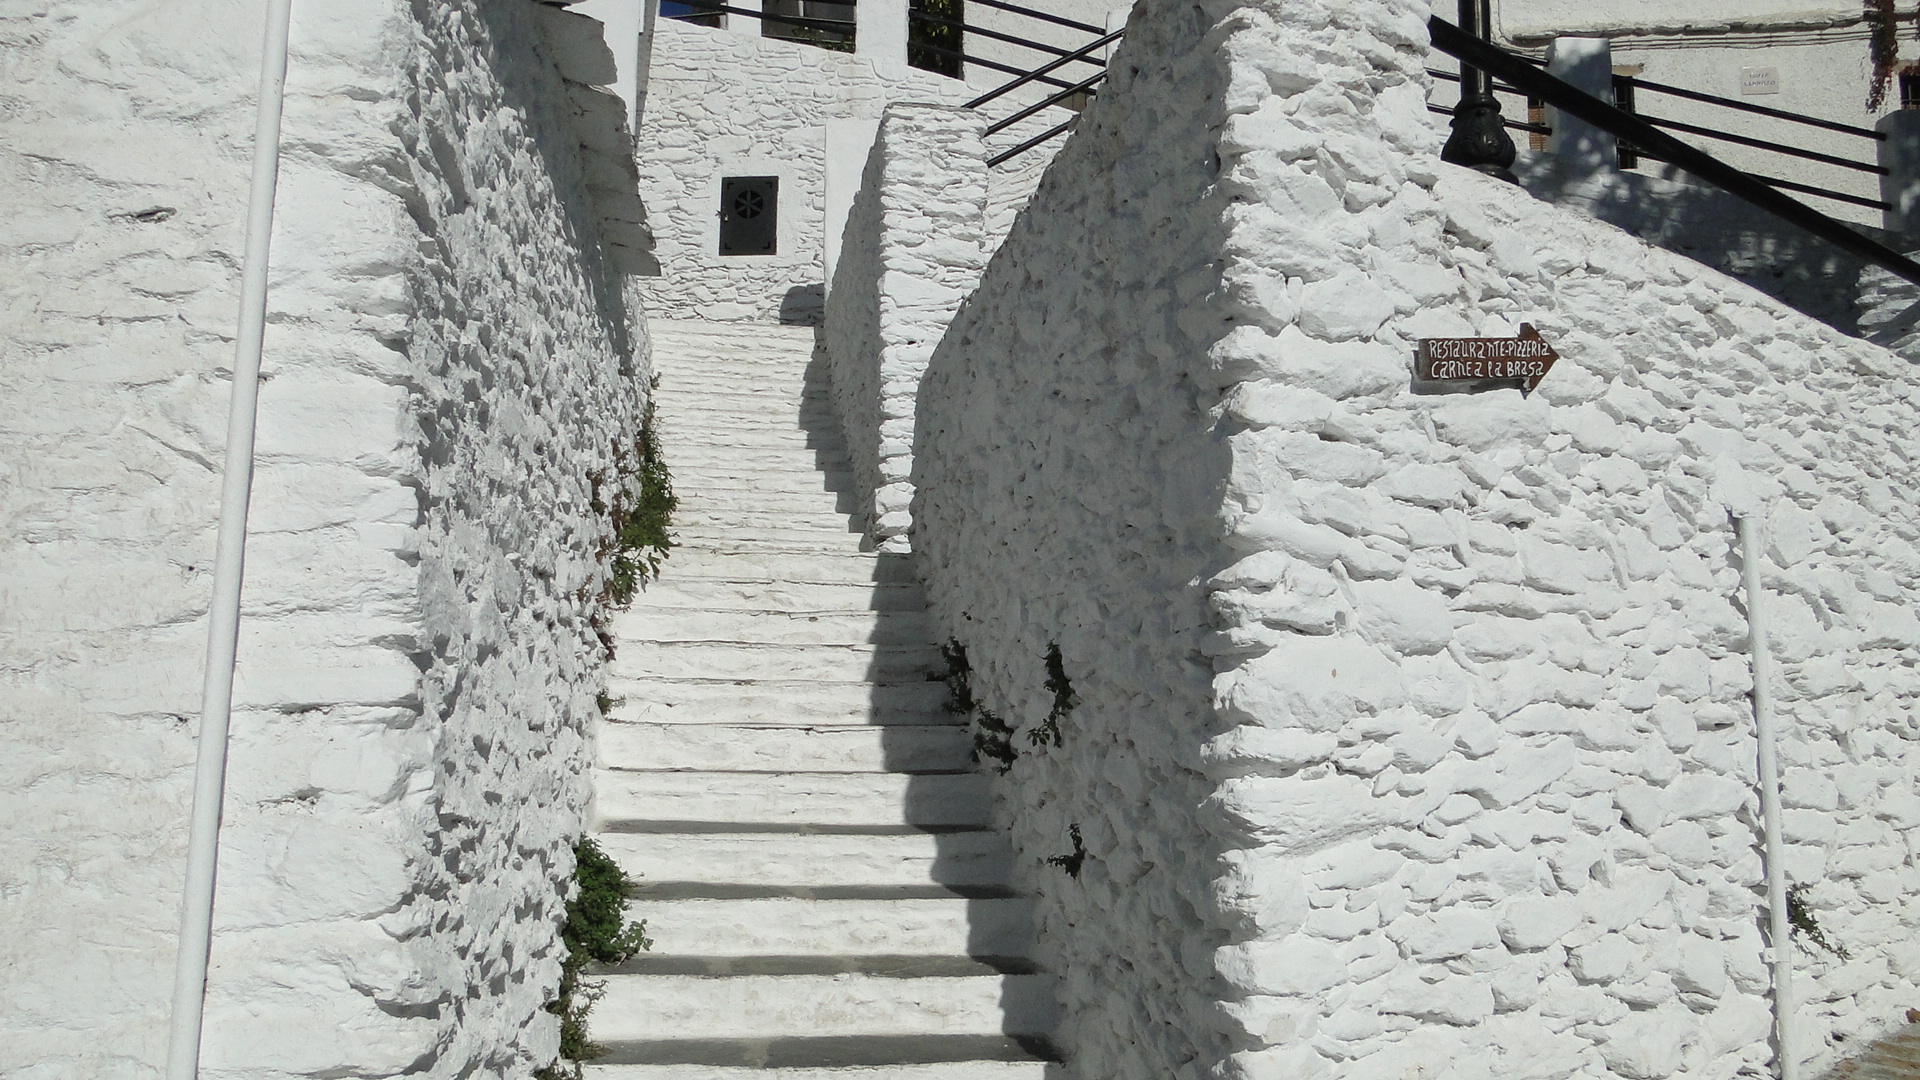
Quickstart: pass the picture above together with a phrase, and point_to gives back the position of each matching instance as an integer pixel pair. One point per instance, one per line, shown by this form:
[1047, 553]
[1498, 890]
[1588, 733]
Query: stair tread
[820, 1053]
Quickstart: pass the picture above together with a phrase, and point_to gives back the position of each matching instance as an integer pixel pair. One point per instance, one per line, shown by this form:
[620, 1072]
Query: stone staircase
[813, 845]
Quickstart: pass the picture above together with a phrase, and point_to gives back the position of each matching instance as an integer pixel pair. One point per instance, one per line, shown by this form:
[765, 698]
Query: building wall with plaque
[1410, 735]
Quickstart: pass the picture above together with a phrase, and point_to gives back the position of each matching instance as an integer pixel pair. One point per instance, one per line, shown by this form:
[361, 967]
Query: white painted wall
[916, 241]
[446, 370]
[1412, 734]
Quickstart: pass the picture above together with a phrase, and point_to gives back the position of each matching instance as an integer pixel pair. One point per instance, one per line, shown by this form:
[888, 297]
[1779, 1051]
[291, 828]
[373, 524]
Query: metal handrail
[1085, 87]
[1569, 99]
[1041, 15]
[1537, 129]
[1780, 148]
[1795, 185]
[993, 64]
[1038, 46]
[1040, 73]
[1779, 114]
[1031, 143]
[1448, 76]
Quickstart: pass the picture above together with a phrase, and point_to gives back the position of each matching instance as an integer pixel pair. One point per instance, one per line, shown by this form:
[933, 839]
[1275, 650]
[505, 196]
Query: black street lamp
[1479, 139]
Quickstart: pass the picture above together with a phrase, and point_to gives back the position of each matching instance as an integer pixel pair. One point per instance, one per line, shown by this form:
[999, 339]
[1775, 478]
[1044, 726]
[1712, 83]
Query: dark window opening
[1623, 100]
[686, 12]
[749, 215]
[936, 36]
[1910, 87]
[828, 24]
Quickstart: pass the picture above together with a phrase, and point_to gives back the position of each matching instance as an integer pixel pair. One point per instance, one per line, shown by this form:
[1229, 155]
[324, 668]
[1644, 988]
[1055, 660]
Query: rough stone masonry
[451, 381]
[1412, 734]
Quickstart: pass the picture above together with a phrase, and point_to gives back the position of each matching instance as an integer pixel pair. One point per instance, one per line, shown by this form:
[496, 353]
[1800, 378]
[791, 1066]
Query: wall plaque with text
[1472, 365]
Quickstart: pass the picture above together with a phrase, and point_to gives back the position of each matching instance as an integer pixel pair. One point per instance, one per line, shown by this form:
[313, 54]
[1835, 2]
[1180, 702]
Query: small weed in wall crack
[992, 737]
[1800, 917]
[1063, 700]
[1072, 861]
[596, 931]
[641, 513]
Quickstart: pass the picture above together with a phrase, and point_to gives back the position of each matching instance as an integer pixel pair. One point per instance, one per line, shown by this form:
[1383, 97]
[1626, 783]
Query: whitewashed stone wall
[1412, 735]
[912, 251]
[720, 103]
[1666, 207]
[446, 372]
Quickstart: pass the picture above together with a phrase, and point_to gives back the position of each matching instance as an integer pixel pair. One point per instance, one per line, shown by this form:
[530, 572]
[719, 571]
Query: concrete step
[789, 598]
[723, 475]
[796, 663]
[694, 1007]
[735, 501]
[628, 801]
[907, 748]
[657, 624]
[772, 460]
[746, 544]
[857, 1055]
[772, 702]
[836, 539]
[820, 516]
[791, 567]
[898, 865]
[790, 927]
[932, 1070]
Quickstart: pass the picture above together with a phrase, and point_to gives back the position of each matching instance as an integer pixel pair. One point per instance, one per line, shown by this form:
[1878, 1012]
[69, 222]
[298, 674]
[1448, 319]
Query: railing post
[1479, 139]
[880, 33]
[1586, 64]
[1900, 156]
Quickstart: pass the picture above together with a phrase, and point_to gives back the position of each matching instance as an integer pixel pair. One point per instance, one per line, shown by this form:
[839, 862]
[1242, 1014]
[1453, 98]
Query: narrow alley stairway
[812, 843]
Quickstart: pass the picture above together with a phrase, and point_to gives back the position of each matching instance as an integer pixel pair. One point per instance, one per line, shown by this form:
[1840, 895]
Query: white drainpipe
[223, 632]
[1777, 928]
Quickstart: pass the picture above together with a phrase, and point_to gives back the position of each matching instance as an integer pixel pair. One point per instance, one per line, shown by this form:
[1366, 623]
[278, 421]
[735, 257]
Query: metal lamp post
[1479, 139]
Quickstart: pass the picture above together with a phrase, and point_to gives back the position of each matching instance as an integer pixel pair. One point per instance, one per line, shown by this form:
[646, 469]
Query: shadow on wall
[947, 799]
[806, 305]
[1708, 225]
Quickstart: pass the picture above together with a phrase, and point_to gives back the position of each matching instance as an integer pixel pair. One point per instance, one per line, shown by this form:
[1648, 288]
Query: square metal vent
[749, 215]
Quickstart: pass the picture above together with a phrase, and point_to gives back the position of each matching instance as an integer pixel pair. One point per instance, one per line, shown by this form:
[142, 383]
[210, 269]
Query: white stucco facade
[418, 654]
[1444, 698]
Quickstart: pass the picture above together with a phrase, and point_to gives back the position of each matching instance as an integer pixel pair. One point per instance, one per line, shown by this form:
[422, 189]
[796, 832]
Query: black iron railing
[1654, 142]
[1628, 91]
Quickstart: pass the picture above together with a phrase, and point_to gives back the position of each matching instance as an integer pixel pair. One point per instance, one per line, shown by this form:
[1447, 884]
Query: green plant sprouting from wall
[640, 516]
[596, 932]
[1800, 917]
[1048, 730]
[992, 736]
[1073, 860]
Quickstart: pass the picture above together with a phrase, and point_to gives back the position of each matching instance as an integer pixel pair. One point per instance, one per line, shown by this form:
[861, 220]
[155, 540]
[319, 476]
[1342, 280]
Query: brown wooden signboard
[1471, 365]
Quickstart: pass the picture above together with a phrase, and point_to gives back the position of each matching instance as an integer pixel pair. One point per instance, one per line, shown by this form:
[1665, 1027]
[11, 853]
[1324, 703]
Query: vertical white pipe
[1777, 927]
[223, 631]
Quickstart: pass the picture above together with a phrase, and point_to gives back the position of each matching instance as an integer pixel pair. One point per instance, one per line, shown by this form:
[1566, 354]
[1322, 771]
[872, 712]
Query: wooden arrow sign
[1471, 365]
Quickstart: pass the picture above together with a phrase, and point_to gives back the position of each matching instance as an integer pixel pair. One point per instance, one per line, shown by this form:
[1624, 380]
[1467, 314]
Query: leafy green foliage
[1072, 861]
[596, 931]
[1048, 730]
[641, 516]
[992, 736]
[1800, 917]
[925, 36]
